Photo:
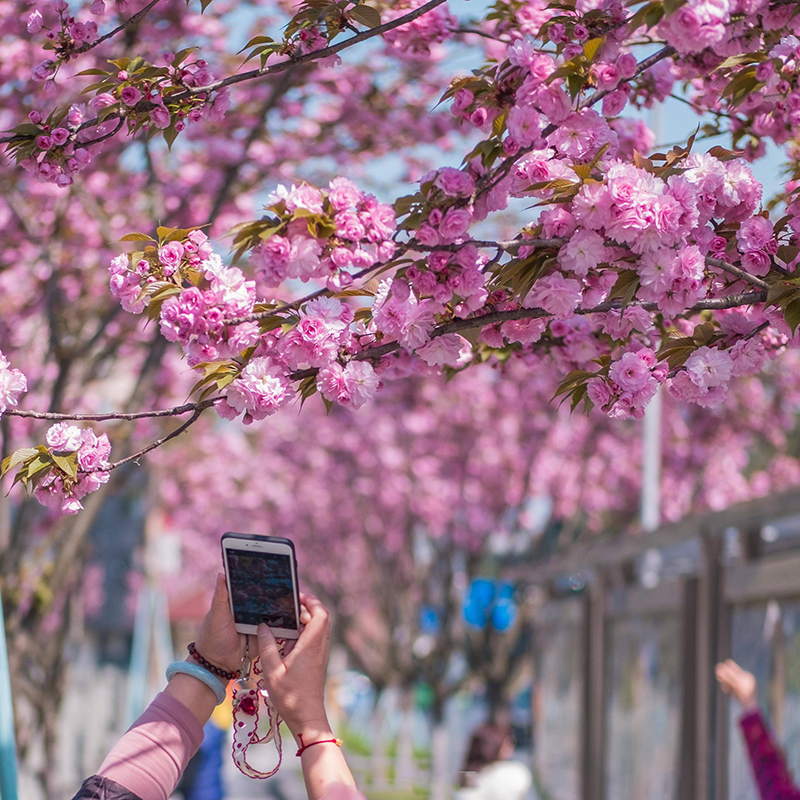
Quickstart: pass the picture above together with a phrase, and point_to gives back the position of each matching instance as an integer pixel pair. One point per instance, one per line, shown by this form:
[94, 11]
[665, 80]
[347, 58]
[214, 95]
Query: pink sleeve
[150, 758]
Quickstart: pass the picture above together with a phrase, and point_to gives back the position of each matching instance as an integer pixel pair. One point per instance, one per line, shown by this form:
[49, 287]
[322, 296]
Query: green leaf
[743, 84]
[572, 381]
[170, 135]
[583, 171]
[136, 237]
[626, 286]
[181, 56]
[225, 380]
[91, 72]
[67, 464]
[255, 41]
[735, 61]
[498, 126]
[404, 204]
[671, 6]
[792, 314]
[366, 15]
[17, 457]
[592, 46]
[38, 465]
[725, 155]
[575, 84]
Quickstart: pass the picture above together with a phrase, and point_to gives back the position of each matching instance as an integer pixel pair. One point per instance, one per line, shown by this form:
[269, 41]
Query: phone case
[262, 538]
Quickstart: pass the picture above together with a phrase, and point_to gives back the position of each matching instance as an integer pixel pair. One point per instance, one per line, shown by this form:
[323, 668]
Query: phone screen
[262, 589]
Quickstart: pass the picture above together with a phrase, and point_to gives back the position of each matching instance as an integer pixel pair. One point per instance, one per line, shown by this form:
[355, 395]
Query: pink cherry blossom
[12, 384]
[556, 294]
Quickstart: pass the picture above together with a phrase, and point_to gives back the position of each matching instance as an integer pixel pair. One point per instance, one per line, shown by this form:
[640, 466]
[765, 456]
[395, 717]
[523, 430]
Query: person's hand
[218, 641]
[296, 684]
[737, 681]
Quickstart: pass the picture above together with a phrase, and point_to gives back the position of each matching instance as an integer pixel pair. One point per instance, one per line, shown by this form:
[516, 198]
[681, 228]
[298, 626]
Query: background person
[149, 759]
[769, 767]
[488, 772]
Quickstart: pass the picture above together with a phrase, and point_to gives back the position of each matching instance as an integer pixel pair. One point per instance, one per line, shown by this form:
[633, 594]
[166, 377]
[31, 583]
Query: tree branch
[176, 411]
[274, 69]
[332, 50]
[737, 271]
[158, 442]
[132, 20]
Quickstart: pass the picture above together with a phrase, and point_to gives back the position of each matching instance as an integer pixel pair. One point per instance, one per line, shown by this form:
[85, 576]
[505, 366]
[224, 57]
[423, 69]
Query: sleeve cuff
[172, 707]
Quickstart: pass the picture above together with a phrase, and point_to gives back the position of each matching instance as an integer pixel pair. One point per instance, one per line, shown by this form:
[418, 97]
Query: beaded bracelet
[218, 671]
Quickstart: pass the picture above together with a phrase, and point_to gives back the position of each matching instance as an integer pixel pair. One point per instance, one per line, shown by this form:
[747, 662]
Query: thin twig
[176, 411]
[737, 271]
[132, 20]
[158, 442]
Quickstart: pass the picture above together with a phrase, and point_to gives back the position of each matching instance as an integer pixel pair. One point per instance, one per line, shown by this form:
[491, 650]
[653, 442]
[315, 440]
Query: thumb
[271, 661]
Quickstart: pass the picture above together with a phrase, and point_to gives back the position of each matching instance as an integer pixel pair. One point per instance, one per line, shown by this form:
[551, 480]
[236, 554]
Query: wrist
[207, 659]
[194, 694]
[311, 730]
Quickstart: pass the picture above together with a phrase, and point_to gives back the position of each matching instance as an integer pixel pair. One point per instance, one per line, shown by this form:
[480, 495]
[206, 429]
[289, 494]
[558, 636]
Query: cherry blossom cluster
[64, 488]
[193, 293]
[420, 39]
[136, 93]
[627, 272]
[321, 235]
[54, 152]
[64, 37]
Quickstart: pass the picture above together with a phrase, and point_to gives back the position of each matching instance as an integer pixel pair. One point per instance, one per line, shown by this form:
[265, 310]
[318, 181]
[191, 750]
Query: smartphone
[261, 572]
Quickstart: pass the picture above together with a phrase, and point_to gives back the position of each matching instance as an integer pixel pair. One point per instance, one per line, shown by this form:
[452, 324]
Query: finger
[289, 646]
[310, 601]
[319, 620]
[219, 602]
[305, 615]
[268, 652]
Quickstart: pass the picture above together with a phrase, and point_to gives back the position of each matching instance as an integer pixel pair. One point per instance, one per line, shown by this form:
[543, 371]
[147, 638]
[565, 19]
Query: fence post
[8, 744]
[593, 761]
[707, 730]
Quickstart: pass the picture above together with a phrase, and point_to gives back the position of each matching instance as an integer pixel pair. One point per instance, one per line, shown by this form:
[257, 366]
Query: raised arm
[296, 686]
[149, 759]
[769, 767]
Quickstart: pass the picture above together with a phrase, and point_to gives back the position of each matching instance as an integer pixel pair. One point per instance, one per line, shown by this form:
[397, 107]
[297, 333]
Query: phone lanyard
[246, 694]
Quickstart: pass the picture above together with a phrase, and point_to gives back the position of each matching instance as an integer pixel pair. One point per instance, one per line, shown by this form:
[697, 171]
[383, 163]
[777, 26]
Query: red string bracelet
[304, 746]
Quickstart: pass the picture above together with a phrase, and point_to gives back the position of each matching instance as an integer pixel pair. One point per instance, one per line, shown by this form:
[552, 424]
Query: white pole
[650, 510]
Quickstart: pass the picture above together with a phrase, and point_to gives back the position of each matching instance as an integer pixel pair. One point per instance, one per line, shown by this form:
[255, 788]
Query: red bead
[248, 705]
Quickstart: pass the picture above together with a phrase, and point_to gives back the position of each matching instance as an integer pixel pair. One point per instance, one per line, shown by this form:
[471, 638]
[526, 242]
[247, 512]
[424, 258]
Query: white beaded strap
[247, 696]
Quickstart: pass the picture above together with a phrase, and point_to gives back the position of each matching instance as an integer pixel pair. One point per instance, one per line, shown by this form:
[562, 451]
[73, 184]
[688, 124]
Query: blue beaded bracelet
[203, 675]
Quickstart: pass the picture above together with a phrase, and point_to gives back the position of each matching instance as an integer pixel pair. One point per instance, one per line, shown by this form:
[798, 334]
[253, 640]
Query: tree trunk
[405, 767]
[441, 782]
[497, 702]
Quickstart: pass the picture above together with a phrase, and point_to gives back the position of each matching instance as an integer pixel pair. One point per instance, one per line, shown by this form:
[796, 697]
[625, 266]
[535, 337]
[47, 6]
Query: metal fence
[625, 701]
